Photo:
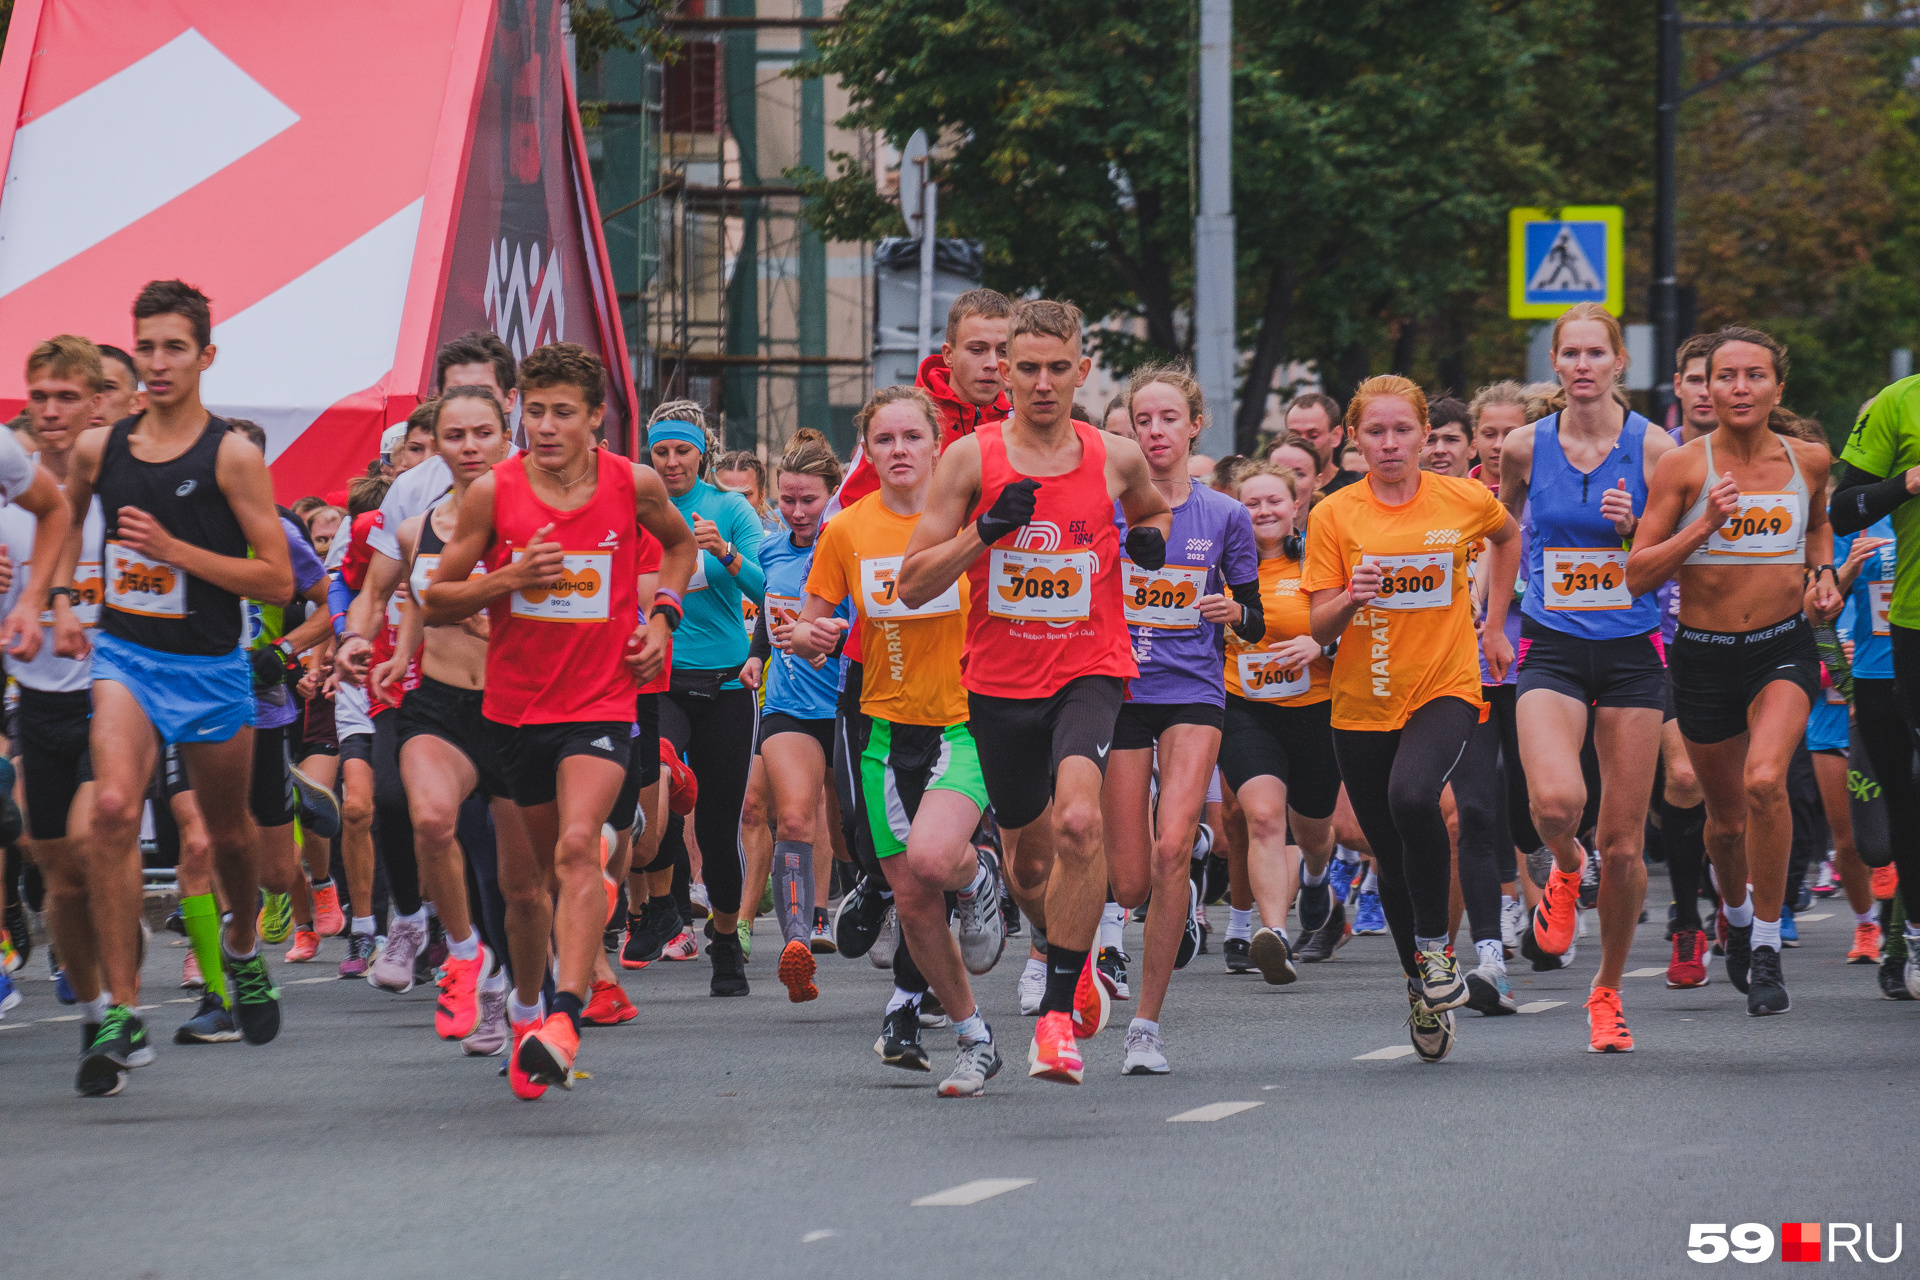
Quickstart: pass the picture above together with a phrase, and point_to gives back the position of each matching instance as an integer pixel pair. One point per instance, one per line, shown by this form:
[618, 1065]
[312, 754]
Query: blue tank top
[1871, 597]
[1583, 595]
[794, 685]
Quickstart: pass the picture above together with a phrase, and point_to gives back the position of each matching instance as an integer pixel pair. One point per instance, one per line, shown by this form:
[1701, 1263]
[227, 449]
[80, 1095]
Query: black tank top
[184, 496]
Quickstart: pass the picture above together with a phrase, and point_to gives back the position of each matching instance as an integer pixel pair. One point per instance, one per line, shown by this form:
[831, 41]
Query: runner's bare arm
[941, 549]
[453, 593]
[816, 633]
[1824, 599]
[69, 637]
[1503, 563]
[376, 588]
[266, 575]
[1516, 469]
[20, 633]
[1660, 547]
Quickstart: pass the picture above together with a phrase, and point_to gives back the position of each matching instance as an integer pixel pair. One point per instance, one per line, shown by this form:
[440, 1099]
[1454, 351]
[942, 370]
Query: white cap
[390, 438]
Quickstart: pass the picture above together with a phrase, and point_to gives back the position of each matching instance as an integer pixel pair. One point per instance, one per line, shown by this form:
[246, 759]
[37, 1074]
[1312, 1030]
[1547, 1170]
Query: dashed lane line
[1540, 1006]
[1213, 1111]
[971, 1192]
[1387, 1054]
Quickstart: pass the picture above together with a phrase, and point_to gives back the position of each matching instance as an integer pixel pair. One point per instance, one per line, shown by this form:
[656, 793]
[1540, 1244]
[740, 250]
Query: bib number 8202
[1712, 1242]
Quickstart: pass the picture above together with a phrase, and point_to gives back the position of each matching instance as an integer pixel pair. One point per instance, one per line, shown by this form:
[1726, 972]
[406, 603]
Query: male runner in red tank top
[1048, 654]
[560, 530]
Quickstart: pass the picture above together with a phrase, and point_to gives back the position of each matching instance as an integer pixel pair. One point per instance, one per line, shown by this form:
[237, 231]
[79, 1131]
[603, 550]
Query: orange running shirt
[1415, 642]
[1287, 613]
[911, 657]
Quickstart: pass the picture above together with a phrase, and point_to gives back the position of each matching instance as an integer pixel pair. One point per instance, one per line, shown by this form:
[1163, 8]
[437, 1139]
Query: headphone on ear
[1293, 545]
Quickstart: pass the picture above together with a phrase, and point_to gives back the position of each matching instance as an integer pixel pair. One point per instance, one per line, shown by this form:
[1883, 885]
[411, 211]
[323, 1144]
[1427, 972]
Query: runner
[1317, 417]
[559, 528]
[1865, 563]
[1047, 653]
[1588, 646]
[1449, 447]
[919, 779]
[184, 502]
[1692, 395]
[353, 727]
[1386, 563]
[1730, 516]
[1169, 729]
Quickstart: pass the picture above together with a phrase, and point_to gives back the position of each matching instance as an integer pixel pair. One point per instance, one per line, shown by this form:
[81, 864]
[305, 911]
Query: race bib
[781, 611]
[1163, 597]
[423, 567]
[698, 582]
[86, 593]
[155, 590]
[1414, 582]
[1263, 679]
[878, 578]
[580, 595]
[1765, 526]
[1582, 578]
[749, 614]
[1881, 594]
[1040, 586]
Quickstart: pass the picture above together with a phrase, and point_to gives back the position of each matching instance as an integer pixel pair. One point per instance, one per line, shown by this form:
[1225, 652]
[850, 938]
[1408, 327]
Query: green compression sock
[202, 915]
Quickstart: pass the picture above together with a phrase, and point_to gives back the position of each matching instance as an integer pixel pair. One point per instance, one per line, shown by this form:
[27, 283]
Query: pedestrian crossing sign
[1558, 257]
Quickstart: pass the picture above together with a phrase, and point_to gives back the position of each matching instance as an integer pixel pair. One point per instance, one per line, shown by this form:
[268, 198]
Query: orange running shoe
[329, 921]
[1886, 880]
[613, 895]
[1092, 1002]
[306, 945]
[1608, 1023]
[796, 971]
[683, 947]
[1555, 919]
[1054, 1055]
[524, 1086]
[457, 1012]
[1688, 967]
[546, 1054]
[1866, 945]
[608, 1006]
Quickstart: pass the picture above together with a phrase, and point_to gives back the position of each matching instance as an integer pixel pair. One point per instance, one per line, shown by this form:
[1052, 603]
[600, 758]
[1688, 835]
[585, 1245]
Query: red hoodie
[958, 418]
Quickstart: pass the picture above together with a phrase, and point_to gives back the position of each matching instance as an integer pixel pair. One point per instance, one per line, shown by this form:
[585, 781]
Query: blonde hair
[1508, 392]
[69, 356]
[809, 454]
[1175, 375]
[1248, 470]
[686, 411]
[1595, 311]
[1047, 318]
[1380, 387]
[893, 395]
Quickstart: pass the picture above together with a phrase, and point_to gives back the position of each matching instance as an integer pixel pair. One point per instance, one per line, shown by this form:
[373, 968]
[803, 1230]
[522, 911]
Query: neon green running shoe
[276, 917]
[745, 930]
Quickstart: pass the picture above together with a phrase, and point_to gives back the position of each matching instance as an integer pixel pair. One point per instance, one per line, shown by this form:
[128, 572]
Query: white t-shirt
[17, 467]
[415, 493]
[48, 672]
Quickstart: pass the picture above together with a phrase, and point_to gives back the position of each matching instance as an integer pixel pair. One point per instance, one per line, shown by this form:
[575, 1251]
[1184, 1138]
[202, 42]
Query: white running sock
[363, 924]
[1036, 969]
[983, 876]
[95, 1010]
[1429, 944]
[1113, 923]
[900, 997]
[518, 1013]
[1766, 933]
[1372, 883]
[1913, 933]
[495, 981]
[1741, 916]
[1311, 880]
[1869, 916]
[1492, 954]
[971, 1030]
[1141, 1024]
[468, 948]
[1239, 923]
[419, 917]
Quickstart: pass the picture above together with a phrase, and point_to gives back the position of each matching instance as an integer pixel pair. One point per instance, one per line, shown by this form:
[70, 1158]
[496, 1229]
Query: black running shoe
[1327, 939]
[1740, 955]
[899, 1042]
[729, 965]
[1893, 980]
[649, 933]
[863, 913]
[1190, 938]
[1010, 912]
[1766, 989]
[1235, 950]
[1112, 961]
[1316, 902]
[256, 1001]
[119, 1044]
[431, 956]
[1216, 883]
[1272, 956]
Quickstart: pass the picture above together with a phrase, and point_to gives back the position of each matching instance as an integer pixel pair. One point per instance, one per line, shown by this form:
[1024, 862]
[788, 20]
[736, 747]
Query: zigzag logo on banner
[525, 302]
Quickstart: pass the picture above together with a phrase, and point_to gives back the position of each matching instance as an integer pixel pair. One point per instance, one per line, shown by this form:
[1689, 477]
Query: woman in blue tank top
[1588, 647]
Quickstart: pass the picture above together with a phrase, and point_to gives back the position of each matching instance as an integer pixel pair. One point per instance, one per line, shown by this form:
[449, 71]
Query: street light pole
[1666, 284]
[1214, 338]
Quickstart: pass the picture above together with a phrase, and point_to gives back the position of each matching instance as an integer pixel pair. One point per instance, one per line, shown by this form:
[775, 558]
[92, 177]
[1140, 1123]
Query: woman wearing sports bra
[1735, 525]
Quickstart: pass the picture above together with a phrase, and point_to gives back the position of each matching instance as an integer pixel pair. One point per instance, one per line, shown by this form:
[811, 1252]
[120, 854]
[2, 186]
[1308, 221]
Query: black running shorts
[1718, 674]
[52, 733]
[643, 761]
[530, 755]
[1023, 740]
[1627, 672]
[1293, 744]
[821, 731]
[272, 799]
[452, 714]
[1140, 724]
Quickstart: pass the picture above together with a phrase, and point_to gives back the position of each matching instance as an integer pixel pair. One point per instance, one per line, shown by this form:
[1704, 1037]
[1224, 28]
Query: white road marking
[1818, 915]
[65, 1017]
[971, 1192]
[1387, 1054]
[1541, 1006]
[1651, 971]
[185, 1000]
[1214, 1111]
[13, 1026]
[811, 1236]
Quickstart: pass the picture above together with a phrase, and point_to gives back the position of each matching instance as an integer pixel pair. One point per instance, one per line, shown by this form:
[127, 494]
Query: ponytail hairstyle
[748, 461]
[687, 411]
[809, 454]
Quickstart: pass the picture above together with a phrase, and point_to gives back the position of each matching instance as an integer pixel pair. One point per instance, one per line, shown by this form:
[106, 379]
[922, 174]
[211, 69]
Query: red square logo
[1799, 1242]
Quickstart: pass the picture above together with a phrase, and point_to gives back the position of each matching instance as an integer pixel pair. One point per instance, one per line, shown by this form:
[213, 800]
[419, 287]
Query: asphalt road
[757, 1137]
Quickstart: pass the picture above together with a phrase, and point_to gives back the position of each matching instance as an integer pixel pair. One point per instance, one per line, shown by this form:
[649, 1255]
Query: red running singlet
[556, 656]
[1045, 607]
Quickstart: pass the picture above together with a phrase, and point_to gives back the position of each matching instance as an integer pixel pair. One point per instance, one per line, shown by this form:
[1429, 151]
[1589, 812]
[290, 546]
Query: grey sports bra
[1768, 528]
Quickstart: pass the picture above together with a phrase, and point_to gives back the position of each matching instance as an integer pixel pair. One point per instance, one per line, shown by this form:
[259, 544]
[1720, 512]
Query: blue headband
[674, 429]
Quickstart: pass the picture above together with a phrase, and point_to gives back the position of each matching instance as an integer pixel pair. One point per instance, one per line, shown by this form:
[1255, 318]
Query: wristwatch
[68, 592]
[728, 559]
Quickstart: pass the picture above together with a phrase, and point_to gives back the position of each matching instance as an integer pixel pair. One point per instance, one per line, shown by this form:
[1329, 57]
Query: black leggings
[1394, 779]
[475, 833]
[392, 823]
[1886, 732]
[716, 736]
[1480, 792]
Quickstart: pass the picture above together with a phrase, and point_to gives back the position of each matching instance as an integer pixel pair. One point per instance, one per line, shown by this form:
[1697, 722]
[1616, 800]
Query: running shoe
[1720, 927]
[491, 1033]
[648, 932]
[394, 969]
[743, 930]
[1272, 956]
[1824, 881]
[176, 922]
[191, 979]
[329, 921]
[1316, 901]
[1540, 865]
[1513, 918]
[608, 1006]
[545, 1054]
[1739, 945]
[1803, 900]
[275, 922]
[1234, 952]
[63, 987]
[1369, 917]
[1328, 938]
[698, 899]
[1053, 1055]
[211, 1023]
[822, 941]
[524, 1086]
[1545, 961]
[1911, 971]
[766, 898]
[1688, 967]
[1340, 876]
[256, 1001]
[1206, 928]
[1789, 931]
[433, 955]
[1590, 880]
[1766, 988]
[1441, 986]
[1488, 992]
[1886, 881]
[983, 934]
[319, 811]
[10, 957]
[1893, 980]
[18, 928]
[1431, 1033]
[457, 1012]
[899, 1043]
[1146, 1053]
[880, 954]
[729, 966]
[1112, 962]
[1866, 945]
[360, 954]
[119, 1044]
[1190, 939]
[1010, 912]
[9, 998]
[932, 1012]
[1606, 1023]
[974, 1063]
[1555, 919]
[683, 788]
[1092, 1002]
[1033, 989]
[796, 972]
[306, 945]
[683, 947]
[861, 916]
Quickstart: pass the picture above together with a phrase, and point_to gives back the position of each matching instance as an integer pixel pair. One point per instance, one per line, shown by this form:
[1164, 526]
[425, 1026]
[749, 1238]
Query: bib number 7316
[1584, 578]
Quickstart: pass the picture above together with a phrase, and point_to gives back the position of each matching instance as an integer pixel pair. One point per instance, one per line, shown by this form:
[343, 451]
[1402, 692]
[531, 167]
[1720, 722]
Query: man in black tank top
[184, 502]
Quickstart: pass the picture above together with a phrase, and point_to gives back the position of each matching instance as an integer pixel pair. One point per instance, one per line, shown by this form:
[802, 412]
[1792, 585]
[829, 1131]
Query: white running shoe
[1145, 1054]
[1033, 989]
[976, 1063]
[491, 1032]
[392, 969]
[983, 931]
[880, 954]
[1513, 917]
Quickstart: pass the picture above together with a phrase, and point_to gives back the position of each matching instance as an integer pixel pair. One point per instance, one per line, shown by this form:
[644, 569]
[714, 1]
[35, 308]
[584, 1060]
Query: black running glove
[1010, 511]
[1147, 547]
